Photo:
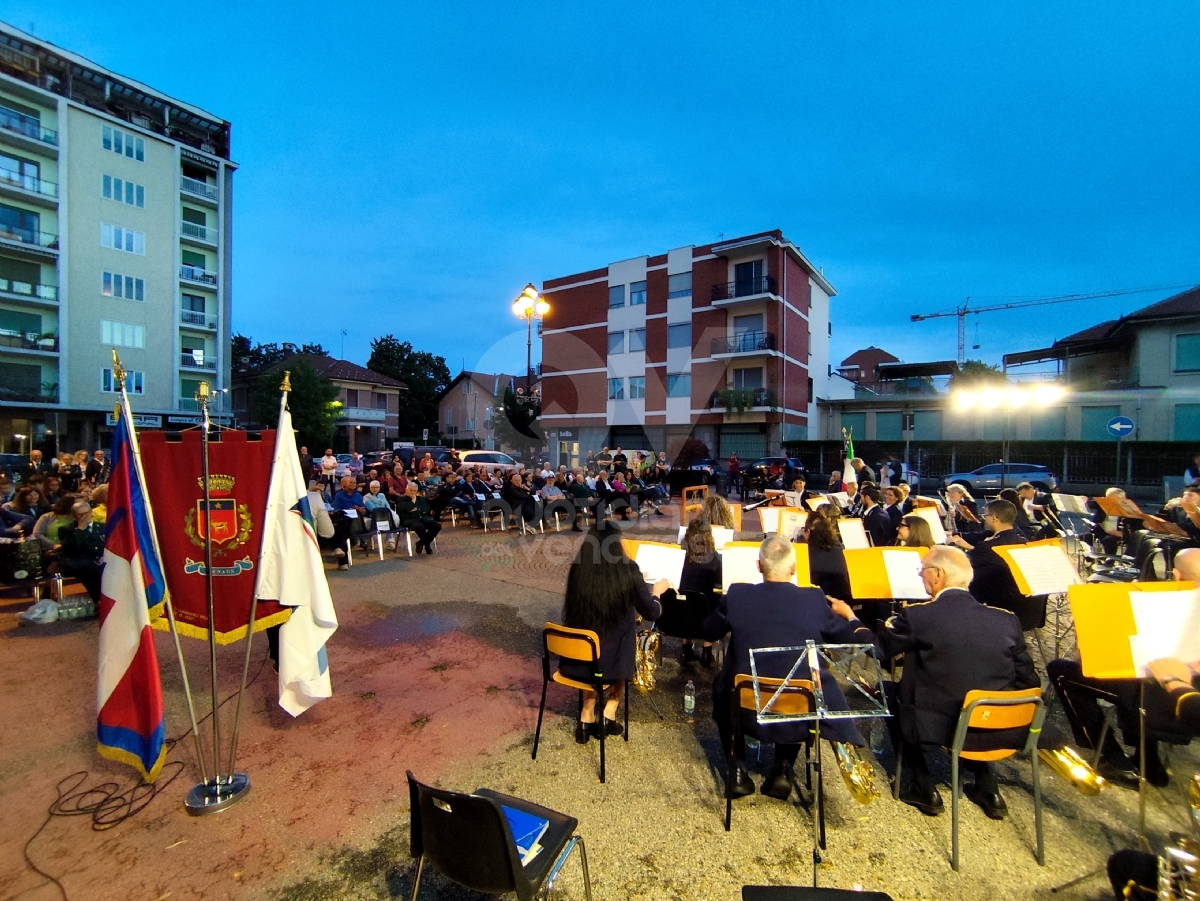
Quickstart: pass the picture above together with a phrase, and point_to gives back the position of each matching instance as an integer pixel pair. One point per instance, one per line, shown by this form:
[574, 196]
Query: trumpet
[856, 772]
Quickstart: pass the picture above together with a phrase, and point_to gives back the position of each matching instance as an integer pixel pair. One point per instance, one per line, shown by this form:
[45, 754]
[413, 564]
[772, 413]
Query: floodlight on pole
[1008, 398]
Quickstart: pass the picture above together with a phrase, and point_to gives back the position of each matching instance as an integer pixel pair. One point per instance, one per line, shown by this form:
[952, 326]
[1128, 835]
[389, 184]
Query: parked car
[10, 462]
[991, 478]
[490, 459]
[380, 460]
[710, 467]
[343, 467]
[758, 472]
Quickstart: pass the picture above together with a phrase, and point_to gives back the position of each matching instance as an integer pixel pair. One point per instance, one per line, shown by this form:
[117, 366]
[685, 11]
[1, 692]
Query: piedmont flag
[291, 572]
[130, 725]
[848, 474]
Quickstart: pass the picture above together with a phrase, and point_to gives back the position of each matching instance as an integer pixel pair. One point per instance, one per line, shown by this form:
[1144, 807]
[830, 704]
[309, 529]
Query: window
[16, 170]
[637, 387]
[679, 335]
[468, 386]
[122, 334]
[470, 426]
[351, 397]
[679, 385]
[193, 303]
[25, 225]
[125, 144]
[1093, 423]
[810, 391]
[1187, 353]
[380, 401]
[888, 427]
[121, 191]
[616, 296]
[637, 340]
[114, 284]
[125, 239]
[748, 379]
[449, 417]
[1187, 422]
[20, 323]
[193, 259]
[134, 382]
[637, 293]
[616, 342]
[679, 285]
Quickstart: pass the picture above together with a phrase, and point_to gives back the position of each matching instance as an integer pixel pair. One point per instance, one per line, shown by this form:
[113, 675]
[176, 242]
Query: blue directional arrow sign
[1120, 426]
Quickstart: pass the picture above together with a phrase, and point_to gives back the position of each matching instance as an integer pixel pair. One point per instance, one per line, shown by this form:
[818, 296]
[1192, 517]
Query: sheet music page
[1047, 568]
[813, 502]
[791, 522]
[932, 502]
[854, 536]
[841, 497]
[721, 537]
[930, 515]
[1070, 503]
[769, 517]
[1168, 625]
[792, 498]
[904, 574]
[739, 564]
[658, 562]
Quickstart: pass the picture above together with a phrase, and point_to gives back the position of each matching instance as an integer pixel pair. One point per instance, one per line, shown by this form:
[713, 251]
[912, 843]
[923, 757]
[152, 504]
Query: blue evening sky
[408, 168]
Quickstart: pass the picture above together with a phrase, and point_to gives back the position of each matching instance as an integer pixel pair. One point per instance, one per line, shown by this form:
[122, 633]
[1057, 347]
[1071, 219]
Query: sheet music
[930, 515]
[1070, 503]
[791, 523]
[721, 537]
[793, 499]
[854, 536]
[1046, 568]
[934, 503]
[659, 562]
[1168, 625]
[740, 564]
[841, 498]
[769, 517]
[904, 574]
[815, 501]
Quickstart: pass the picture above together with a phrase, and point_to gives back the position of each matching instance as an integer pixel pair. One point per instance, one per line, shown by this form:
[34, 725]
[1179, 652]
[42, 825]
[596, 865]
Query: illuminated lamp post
[1008, 398]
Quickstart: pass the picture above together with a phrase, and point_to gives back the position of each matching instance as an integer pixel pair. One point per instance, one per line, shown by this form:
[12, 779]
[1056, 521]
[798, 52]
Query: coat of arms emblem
[227, 521]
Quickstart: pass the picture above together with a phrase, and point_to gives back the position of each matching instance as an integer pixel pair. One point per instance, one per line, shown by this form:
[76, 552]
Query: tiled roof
[338, 369]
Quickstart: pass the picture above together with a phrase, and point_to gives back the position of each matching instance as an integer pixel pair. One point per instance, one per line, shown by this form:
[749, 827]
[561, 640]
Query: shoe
[1120, 773]
[575, 528]
[1156, 773]
[743, 785]
[583, 732]
[990, 802]
[706, 657]
[929, 803]
[429, 549]
[687, 654]
[778, 785]
[419, 549]
[343, 566]
[659, 512]
[611, 727]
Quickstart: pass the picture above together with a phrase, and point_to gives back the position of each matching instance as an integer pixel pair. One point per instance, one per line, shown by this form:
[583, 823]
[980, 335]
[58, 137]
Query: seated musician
[1021, 521]
[893, 506]
[716, 512]
[914, 532]
[1038, 504]
[952, 644]
[1172, 705]
[826, 556]
[702, 576]
[774, 614]
[875, 519]
[964, 513]
[994, 584]
[1184, 512]
[800, 491]
[1109, 530]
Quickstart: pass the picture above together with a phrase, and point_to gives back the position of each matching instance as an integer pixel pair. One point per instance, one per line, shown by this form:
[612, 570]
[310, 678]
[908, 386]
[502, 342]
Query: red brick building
[727, 342]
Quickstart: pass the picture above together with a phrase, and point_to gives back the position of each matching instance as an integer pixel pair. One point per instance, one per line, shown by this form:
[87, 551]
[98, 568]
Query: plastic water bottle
[689, 700]
[876, 736]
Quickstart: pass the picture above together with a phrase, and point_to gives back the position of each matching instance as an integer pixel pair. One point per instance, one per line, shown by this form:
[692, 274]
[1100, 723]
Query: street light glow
[991, 398]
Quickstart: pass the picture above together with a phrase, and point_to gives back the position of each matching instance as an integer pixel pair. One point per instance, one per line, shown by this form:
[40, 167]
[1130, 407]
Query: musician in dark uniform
[951, 645]
[875, 519]
[994, 584]
[772, 615]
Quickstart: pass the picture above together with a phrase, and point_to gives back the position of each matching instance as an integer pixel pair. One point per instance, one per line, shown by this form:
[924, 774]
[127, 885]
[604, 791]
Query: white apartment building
[115, 231]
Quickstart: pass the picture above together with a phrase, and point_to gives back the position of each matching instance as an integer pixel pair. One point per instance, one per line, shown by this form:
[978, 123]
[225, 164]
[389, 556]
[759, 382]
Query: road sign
[1120, 426]
[425, 433]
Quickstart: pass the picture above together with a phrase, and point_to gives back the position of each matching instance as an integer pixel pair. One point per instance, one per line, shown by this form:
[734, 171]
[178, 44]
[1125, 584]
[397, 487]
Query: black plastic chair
[468, 840]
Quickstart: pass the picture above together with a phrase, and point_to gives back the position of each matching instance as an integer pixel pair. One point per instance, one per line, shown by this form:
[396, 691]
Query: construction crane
[965, 309]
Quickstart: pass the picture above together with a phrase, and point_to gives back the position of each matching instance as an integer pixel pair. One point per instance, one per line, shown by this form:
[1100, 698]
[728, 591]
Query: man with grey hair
[951, 644]
[775, 614]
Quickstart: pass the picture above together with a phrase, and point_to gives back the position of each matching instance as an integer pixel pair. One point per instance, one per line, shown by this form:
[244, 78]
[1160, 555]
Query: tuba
[646, 658]
[857, 773]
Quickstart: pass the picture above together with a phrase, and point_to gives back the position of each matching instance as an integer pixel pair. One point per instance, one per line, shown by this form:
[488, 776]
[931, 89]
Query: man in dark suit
[952, 644]
[777, 614]
[994, 584]
[306, 464]
[875, 519]
[34, 466]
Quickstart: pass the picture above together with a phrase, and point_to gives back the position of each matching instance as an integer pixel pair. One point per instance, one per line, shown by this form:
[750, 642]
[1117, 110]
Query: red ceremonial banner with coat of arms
[239, 478]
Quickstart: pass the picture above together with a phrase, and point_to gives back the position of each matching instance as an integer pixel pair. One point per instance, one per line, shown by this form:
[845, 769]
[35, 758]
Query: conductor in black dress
[777, 614]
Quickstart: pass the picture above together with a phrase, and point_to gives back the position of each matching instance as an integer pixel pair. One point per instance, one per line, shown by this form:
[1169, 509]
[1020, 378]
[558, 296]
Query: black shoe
[659, 512]
[779, 784]
[583, 732]
[575, 528]
[687, 654]
[419, 549]
[612, 727]
[429, 549]
[1118, 772]
[1156, 773]
[929, 803]
[989, 802]
[706, 657]
[743, 785]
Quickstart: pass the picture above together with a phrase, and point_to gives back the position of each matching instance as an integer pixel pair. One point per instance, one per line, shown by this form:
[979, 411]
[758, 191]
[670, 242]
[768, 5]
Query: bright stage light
[965, 400]
[991, 398]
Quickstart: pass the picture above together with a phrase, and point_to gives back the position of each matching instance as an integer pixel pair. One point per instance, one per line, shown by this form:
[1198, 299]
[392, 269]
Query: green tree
[517, 427]
[425, 375]
[313, 401]
[246, 354]
[973, 373]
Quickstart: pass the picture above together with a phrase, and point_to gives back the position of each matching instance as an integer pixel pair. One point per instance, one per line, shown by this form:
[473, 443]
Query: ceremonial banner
[239, 475]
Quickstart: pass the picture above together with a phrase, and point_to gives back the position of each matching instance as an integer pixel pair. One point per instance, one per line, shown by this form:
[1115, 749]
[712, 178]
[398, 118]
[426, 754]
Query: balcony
[197, 359]
[743, 290]
[1101, 378]
[27, 289]
[363, 414]
[193, 274]
[741, 400]
[198, 188]
[30, 184]
[29, 341]
[47, 395]
[28, 237]
[12, 122]
[198, 320]
[745, 343]
[197, 232]
[191, 405]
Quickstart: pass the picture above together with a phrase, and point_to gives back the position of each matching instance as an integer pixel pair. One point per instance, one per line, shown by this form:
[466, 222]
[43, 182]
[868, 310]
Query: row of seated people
[67, 539]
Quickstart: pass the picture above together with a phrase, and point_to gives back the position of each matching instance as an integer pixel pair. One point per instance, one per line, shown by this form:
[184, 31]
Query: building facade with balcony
[468, 407]
[727, 343]
[115, 232]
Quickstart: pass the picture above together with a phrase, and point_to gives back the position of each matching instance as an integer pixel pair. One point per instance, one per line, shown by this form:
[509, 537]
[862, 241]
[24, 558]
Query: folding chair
[381, 526]
[493, 506]
[467, 838]
[796, 699]
[580, 646]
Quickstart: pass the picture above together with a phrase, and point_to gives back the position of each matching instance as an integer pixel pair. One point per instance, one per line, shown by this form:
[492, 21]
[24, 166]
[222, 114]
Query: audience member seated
[99, 503]
[331, 535]
[582, 497]
[618, 494]
[826, 557]
[350, 502]
[701, 575]
[82, 546]
[468, 500]
[20, 515]
[416, 516]
[46, 529]
[519, 499]
[374, 500]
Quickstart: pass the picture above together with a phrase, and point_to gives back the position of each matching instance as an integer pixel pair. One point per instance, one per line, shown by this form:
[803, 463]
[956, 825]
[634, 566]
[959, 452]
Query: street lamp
[1008, 398]
[529, 306]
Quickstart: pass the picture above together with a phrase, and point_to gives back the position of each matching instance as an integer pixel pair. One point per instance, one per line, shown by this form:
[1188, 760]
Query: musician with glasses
[994, 583]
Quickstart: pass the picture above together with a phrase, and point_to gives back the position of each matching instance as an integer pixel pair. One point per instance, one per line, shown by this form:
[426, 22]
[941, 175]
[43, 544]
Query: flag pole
[127, 413]
[284, 388]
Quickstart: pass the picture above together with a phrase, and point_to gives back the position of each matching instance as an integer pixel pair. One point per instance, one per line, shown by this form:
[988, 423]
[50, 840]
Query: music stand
[818, 660]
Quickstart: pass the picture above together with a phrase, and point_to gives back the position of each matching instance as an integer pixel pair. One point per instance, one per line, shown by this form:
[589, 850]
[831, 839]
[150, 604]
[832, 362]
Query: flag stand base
[214, 795]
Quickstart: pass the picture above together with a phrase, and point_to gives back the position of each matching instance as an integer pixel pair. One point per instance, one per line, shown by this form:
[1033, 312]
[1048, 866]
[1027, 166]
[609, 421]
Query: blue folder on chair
[527, 831]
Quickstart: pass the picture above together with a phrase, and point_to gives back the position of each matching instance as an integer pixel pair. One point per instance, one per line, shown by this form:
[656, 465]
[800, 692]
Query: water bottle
[689, 700]
[876, 736]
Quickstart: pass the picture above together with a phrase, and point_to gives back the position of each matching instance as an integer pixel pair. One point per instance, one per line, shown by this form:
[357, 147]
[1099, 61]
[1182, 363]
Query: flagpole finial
[287, 381]
[118, 370]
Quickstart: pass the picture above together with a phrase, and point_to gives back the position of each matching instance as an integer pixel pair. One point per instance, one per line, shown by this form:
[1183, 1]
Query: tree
[973, 373]
[247, 355]
[516, 424]
[425, 375]
[313, 401]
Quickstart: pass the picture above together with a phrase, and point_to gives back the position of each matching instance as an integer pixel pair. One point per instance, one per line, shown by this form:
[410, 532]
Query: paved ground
[435, 670]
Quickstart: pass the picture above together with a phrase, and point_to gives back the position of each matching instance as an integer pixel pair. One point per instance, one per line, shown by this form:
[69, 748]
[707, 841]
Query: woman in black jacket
[826, 559]
[519, 498]
[701, 576]
[416, 516]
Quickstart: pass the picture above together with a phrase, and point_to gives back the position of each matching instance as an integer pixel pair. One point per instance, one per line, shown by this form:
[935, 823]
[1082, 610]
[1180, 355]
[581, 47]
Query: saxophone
[646, 658]
[857, 773]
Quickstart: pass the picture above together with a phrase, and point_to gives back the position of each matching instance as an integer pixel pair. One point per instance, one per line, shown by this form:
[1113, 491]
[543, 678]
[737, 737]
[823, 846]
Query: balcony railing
[45, 292]
[197, 361]
[196, 274]
[197, 187]
[741, 399]
[200, 320]
[196, 230]
[16, 395]
[28, 236]
[746, 287]
[28, 182]
[365, 414]
[745, 343]
[19, 123]
[191, 405]
[29, 341]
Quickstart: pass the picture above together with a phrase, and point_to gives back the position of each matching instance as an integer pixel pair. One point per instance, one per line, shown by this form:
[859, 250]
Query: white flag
[291, 572]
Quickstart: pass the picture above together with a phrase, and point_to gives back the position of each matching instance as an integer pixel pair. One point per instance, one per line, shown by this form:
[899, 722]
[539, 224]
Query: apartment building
[115, 231]
[467, 408]
[727, 342]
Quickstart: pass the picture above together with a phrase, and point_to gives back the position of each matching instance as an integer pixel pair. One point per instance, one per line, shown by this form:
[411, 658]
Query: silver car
[995, 476]
[491, 459]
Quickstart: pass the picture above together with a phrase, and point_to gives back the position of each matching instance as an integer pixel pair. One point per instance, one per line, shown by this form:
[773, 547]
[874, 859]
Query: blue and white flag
[291, 572]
